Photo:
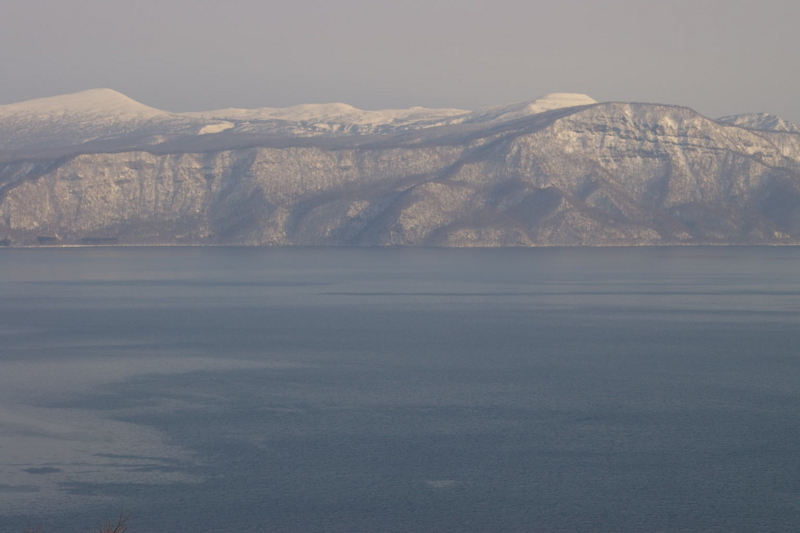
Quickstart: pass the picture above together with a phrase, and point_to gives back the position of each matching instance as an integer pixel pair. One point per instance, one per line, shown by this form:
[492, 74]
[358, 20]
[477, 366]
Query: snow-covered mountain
[98, 168]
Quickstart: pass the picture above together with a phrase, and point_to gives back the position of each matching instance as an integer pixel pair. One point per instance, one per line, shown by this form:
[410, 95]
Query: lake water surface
[401, 390]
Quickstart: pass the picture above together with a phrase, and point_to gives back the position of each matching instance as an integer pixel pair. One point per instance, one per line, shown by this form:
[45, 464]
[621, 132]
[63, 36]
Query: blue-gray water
[401, 390]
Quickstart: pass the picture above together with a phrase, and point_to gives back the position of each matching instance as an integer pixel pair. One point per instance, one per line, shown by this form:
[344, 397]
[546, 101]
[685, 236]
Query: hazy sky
[717, 56]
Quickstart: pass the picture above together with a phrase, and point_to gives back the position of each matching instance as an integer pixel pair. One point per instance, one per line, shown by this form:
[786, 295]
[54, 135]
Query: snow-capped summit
[548, 102]
[560, 100]
[93, 115]
[104, 104]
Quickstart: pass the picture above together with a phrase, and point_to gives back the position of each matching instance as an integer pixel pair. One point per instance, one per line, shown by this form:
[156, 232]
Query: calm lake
[400, 390]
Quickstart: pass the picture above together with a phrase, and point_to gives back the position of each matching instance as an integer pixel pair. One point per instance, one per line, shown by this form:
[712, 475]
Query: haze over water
[307, 389]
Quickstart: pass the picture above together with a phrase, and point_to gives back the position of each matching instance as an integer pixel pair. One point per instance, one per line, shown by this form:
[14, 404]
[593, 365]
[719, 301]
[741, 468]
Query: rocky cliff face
[594, 174]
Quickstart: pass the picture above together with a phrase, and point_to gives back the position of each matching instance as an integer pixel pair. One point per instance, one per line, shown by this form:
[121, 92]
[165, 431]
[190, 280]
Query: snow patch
[215, 128]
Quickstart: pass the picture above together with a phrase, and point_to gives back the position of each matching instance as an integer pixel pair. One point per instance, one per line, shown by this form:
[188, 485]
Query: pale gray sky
[717, 56]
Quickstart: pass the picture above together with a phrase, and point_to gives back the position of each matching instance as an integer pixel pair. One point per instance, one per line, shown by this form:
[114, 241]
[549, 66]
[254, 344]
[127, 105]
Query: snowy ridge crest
[761, 121]
[104, 115]
[334, 113]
